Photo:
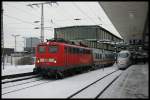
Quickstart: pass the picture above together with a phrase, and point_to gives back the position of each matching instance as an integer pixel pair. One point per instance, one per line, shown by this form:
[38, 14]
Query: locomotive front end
[49, 58]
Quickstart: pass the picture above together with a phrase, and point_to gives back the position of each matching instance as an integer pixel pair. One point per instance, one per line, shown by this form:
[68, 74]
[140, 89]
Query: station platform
[133, 83]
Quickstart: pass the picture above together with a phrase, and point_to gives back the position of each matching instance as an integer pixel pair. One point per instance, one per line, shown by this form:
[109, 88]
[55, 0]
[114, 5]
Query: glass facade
[84, 33]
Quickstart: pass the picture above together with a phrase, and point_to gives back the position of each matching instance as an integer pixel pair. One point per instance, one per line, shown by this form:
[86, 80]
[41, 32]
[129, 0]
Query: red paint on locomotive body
[61, 56]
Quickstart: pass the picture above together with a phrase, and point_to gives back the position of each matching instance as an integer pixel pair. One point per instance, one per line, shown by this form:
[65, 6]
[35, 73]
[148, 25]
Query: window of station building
[106, 35]
[102, 34]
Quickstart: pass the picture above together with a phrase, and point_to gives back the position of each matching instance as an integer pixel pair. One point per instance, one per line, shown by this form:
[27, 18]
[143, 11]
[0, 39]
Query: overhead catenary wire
[61, 14]
[12, 17]
[83, 12]
[23, 11]
[99, 18]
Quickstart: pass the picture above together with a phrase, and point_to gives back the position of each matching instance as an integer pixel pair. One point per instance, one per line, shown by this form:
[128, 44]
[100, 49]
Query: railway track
[97, 85]
[4, 81]
[23, 85]
[20, 82]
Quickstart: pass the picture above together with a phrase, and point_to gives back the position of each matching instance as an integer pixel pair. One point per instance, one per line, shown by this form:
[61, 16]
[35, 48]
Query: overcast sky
[18, 19]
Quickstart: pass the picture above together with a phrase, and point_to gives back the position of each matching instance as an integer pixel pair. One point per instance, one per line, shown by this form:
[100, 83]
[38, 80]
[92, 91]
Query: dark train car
[103, 58]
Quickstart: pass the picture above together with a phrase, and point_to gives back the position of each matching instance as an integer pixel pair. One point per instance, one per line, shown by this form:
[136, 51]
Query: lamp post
[15, 40]
[2, 37]
[24, 42]
[42, 15]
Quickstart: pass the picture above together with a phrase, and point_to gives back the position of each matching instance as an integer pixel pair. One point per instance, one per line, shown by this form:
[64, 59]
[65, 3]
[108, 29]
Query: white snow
[20, 82]
[133, 83]
[16, 69]
[96, 88]
[60, 88]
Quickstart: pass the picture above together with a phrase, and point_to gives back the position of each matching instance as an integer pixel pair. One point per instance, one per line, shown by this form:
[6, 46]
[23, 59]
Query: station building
[93, 36]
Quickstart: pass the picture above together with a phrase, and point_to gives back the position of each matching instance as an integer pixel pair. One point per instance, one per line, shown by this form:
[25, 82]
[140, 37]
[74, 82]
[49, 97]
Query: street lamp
[42, 15]
[15, 39]
[24, 41]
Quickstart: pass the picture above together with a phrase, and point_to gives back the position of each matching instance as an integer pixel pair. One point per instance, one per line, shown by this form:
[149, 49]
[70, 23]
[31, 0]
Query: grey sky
[19, 19]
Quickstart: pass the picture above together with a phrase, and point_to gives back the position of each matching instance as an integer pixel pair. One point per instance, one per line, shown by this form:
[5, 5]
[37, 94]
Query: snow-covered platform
[133, 83]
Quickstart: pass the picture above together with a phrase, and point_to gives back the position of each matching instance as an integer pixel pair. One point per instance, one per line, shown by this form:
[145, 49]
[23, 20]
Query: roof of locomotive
[63, 42]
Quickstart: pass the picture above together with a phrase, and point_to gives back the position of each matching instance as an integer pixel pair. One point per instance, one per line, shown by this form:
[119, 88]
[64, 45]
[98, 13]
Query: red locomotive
[61, 58]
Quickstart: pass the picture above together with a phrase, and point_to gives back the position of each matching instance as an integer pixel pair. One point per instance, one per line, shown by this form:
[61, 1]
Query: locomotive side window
[41, 49]
[53, 49]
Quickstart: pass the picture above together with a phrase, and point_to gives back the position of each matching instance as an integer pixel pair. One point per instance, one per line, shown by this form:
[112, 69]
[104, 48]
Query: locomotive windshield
[41, 49]
[53, 49]
[123, 55]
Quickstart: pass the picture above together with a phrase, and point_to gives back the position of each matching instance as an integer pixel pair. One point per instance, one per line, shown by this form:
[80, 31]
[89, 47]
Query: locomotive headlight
[54, 61]
[38, 60]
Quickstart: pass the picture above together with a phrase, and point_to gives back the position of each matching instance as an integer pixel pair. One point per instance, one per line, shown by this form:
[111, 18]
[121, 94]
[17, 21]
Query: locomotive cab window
[123, 55]
[41, 49]
[53, 49]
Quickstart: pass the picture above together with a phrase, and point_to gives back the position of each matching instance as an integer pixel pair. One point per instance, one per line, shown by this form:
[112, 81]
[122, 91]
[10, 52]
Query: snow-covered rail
[98, 86]
[23, 85]
[18, 79]
[17, 75]
[20, 82]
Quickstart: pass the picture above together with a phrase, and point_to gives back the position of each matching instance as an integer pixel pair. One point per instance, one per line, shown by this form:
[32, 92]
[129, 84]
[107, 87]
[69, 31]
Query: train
[124, 59]
[60, 58]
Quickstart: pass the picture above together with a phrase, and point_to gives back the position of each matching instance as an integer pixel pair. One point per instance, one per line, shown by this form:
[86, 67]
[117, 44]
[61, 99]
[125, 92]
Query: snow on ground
[96, 88]
[133, 83]
[16, 69]
[60, 88]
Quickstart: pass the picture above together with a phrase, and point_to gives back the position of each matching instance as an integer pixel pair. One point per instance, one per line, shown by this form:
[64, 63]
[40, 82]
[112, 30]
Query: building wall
[89, 35]
[32, 42]
[8, 51]
[84, 32]
[75, 33]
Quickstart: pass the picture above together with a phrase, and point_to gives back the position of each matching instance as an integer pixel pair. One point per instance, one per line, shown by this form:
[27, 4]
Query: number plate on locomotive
[51, 60]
